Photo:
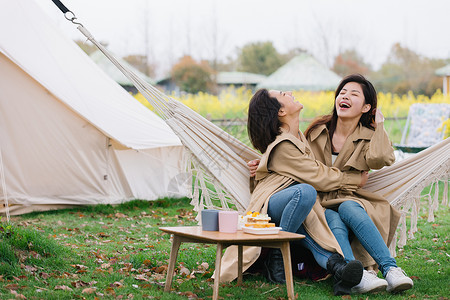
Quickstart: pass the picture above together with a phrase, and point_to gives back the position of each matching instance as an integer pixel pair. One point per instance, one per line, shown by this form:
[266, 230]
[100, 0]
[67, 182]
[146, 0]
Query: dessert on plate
[257, 220]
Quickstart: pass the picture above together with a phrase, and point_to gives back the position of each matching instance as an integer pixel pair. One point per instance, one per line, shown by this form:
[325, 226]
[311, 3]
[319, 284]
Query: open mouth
[344, 105]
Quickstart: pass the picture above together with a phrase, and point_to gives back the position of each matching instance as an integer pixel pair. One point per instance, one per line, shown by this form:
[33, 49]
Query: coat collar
[263, 170]
[360, 133]
[316, 133]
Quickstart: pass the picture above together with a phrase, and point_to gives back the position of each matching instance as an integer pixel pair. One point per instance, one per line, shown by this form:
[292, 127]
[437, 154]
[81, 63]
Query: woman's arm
[287, 160]
[379, 152]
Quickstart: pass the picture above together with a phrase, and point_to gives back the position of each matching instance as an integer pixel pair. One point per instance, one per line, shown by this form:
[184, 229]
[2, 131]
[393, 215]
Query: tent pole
[2, 173]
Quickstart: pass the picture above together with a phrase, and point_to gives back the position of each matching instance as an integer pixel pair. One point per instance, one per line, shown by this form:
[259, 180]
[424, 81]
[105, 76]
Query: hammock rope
[218, 160]
[214, 154]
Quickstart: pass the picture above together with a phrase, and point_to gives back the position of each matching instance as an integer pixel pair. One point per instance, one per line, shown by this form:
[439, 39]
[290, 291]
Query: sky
[166, 30]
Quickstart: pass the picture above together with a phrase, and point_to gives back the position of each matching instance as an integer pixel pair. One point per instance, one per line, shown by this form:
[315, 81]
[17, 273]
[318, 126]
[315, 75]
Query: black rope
[61, 6]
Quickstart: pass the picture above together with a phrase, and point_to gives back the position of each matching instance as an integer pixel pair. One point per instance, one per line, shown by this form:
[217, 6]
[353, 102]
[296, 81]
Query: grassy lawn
[106, 252]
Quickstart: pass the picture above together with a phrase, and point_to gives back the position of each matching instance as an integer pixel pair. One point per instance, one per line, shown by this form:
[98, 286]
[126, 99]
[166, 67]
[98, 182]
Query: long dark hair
[263, 125]
[370, 97]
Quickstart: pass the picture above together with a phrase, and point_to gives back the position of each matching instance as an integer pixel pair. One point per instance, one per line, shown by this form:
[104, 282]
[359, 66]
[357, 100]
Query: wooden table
[195, 234]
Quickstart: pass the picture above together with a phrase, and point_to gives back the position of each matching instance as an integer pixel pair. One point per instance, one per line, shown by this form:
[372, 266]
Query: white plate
[270, 230]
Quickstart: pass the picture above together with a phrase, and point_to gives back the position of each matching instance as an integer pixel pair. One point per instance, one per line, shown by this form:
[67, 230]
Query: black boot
[274, 267]
[346, 275]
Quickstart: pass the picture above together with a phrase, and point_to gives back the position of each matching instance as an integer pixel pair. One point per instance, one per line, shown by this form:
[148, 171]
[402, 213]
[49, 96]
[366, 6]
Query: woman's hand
[364, 178]
[379, 118]
[253, 165]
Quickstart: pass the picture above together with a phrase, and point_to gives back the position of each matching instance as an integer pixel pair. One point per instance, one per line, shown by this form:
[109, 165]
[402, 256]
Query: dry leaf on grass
[17, 295]
[63, 287]
[184, 271]
[141, 277]
[89, 290]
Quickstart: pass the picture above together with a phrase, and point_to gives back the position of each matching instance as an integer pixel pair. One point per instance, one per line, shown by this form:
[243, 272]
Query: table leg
[173, 258]
[217, 272]
[239, 278]
[286, 251]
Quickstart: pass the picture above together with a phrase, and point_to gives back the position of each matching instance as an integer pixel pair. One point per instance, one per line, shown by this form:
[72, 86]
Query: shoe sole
[400, 288]
[375, 289]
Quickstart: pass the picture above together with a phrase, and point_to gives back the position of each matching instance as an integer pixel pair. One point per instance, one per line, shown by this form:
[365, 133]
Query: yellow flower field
[233, 103]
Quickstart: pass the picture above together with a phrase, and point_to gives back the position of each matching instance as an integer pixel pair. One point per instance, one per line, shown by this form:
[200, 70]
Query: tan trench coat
[365, 149]
[285, 161]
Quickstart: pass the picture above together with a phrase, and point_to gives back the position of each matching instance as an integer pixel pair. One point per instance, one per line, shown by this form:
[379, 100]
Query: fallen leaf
[161, 269]
[105, 266]
[116, 284]
[79, 267]
[79, 283]
[184, 271]
[203, 266]
[11, 286]
[63, 287]
[147, 262]
[141, 277]
[89, 290]
[17, 295]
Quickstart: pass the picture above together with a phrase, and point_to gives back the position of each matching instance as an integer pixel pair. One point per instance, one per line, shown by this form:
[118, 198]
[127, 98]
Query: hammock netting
[218, 161]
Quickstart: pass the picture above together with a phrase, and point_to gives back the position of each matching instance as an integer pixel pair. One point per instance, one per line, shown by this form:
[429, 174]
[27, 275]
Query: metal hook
[71, 18]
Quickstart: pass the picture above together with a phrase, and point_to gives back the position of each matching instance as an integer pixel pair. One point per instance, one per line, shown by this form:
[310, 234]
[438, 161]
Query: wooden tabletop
[197, 233]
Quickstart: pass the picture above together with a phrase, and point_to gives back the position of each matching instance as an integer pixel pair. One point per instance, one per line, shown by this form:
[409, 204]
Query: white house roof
[239, 78]
[444, 71]
[303, 72]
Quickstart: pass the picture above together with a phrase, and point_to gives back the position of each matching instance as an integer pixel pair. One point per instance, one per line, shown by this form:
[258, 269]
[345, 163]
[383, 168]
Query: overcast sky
[323, 27]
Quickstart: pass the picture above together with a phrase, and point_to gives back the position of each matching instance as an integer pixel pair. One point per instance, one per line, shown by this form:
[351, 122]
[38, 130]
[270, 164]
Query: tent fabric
[69, 135]
[303, 72]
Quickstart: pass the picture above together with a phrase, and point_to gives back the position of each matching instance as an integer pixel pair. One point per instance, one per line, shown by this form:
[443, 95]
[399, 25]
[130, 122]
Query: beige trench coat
[288, 160]
[365, 149]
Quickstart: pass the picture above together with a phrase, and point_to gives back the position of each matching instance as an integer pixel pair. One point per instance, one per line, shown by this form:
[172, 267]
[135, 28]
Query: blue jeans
[289, 208]
[351, 215]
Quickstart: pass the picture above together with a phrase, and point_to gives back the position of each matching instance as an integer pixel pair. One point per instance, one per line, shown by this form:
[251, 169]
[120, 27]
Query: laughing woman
[351, 139]
[287, 179]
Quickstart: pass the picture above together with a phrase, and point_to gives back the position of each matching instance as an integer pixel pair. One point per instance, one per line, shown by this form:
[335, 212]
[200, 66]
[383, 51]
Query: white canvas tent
[70, 135]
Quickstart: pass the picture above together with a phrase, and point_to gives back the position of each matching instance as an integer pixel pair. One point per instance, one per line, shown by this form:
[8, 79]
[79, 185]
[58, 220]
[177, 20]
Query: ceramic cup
[228, 221]
[210, 219]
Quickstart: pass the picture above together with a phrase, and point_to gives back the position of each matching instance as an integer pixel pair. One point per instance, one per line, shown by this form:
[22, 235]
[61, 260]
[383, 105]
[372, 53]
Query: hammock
[218, 161]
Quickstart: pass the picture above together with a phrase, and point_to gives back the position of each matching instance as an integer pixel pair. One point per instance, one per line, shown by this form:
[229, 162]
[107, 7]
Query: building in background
[445, 73]
[109, 68]
[303, 72]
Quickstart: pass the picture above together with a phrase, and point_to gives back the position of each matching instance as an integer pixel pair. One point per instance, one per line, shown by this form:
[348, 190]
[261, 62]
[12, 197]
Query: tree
[191, 76]
[406, 71]
[350, 62]
[259, 58]
[140, 62]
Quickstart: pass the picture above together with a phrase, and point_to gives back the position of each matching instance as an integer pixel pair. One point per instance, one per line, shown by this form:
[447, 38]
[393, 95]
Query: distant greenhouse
[445, 73]
[238, 79]
[109, 68]
[303, 72]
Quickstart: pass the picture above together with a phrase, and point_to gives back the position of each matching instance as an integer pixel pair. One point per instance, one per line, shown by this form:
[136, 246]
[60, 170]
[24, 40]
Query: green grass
[118, 252]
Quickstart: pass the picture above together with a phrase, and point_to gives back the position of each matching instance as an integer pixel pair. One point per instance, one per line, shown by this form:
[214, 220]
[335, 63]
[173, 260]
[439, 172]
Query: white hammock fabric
[218, 161]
